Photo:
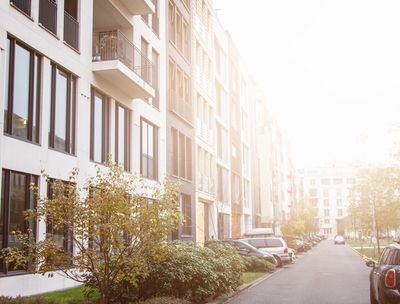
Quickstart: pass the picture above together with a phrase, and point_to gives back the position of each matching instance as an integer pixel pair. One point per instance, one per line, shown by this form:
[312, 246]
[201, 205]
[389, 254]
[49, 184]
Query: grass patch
[67, 295]
[248, 277]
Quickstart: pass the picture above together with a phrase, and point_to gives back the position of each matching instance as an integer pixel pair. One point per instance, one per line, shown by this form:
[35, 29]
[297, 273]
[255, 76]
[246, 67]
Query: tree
[116, 223]
[302, 219]
[375, 204]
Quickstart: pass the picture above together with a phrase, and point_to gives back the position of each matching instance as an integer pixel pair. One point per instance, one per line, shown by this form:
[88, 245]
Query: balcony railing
[71, 31]
[113, 45]
[48, 15]
[180, 106]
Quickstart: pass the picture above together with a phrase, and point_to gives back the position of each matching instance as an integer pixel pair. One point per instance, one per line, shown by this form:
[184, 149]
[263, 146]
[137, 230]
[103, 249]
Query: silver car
[273, 245]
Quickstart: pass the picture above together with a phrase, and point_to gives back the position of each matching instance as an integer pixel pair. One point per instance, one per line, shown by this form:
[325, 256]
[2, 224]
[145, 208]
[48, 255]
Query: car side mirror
[370, 263]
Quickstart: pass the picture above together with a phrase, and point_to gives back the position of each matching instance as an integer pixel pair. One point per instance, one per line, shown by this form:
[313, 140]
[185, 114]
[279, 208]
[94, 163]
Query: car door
[377, 270]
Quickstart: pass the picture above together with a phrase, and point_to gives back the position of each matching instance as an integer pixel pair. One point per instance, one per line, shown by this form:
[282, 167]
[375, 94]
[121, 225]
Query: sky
[330, 71]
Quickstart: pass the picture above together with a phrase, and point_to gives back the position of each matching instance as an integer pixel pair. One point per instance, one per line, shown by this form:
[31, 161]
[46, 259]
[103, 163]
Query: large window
[23, 5]
[63, 238]
[99, 127]
[187, 214]
[181, 155]
[149, 143]
[63, 108]
[122, 136]
[16, 197]
[22, 102]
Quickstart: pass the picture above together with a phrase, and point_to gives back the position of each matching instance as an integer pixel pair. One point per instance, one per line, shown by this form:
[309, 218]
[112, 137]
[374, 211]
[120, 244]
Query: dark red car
[385, 276]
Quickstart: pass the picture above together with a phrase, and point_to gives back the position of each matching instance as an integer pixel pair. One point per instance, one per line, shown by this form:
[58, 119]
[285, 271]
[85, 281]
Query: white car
[273, 245]
[339, 239]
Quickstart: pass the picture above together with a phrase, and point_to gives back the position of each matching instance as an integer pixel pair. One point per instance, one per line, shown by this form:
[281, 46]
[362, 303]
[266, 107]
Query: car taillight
[390, 278]
[286, 250]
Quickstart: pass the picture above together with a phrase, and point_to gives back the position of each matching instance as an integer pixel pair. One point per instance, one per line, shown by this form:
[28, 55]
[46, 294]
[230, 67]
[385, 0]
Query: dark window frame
[70, 140]
[28, 12]
[127, 136]
[186, 207]
[105, 137]
[155, 147]
[33, 100]
[5, 194]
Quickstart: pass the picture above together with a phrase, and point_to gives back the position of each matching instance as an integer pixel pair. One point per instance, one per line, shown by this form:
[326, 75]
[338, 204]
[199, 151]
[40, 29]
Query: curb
[226, 298]
[242, 288]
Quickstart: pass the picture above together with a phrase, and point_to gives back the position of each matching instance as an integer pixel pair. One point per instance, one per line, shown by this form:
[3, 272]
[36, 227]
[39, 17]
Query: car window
[384, 256]
[258, 243]
[393, 257]
[274, 243]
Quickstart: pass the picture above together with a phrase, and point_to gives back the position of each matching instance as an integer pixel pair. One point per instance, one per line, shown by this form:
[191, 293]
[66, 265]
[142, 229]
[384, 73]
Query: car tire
[372, 296]
[279, 263]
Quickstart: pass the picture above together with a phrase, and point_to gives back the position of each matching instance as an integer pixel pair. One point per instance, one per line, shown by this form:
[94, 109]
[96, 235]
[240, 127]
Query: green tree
[375, 203]
[117, 223]
[302, 219]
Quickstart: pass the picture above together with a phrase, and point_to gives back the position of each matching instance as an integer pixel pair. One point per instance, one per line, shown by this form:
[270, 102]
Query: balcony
[138, 7]
[179, 106]
[71, 31]
[22, 5]
[117, 60]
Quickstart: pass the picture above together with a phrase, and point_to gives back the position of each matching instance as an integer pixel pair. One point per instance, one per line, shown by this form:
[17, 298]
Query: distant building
[329, 190]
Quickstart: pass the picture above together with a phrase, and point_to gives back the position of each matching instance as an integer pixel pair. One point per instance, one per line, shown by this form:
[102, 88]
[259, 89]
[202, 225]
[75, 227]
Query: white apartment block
[329, 190]
[79, 80]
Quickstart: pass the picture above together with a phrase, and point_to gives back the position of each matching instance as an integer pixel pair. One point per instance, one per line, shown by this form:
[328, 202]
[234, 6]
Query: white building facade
[329, 190]
[79, 81]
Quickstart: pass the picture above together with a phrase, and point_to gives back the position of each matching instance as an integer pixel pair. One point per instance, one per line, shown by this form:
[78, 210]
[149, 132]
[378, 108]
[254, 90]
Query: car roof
[394, 245]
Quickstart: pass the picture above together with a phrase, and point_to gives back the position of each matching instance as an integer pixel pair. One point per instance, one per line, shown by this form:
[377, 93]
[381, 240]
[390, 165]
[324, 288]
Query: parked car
[246, 249]
[339, 239]
[385, 276]
[273, 245]
[259, 232]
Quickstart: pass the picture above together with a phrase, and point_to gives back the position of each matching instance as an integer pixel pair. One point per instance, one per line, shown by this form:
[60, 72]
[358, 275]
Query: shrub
[257, 264]
[194, 273]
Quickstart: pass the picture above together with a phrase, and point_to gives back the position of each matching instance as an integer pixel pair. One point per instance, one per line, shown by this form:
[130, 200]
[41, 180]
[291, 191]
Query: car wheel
[372, 296]
[278, 261]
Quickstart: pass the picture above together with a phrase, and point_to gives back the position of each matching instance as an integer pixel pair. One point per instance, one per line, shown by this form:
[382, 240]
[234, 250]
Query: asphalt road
[327, 274]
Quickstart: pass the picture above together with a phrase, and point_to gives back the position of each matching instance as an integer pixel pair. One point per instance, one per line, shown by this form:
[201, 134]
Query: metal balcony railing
[180, 106]
[113, 45]
[23, 5]
[48, 15]
[71, 31]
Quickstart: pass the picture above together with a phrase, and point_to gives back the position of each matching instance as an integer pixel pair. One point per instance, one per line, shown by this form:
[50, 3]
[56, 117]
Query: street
[327, 274]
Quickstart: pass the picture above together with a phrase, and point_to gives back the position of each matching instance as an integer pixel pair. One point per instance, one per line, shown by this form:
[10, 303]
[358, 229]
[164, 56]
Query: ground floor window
[16, 197]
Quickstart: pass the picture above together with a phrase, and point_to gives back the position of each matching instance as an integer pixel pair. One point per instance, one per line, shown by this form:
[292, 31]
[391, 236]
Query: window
[155, 61]
[351, 180]
[339, 202]
[63, 105]
[223, 226]
[246, 193]
[326, 212]
[187, 214]
[222, 143]
[149, 147]
[61, 237]
[71, 24]
[174, 151]
[234, 151]
[23, 5]
[340, 212]
[326, 202]
[236, 191]
[22, 100]
[99, 127]
[16, 197]
[144, 48]
[326, 192]
[171, 18]
[312, 181]
[122, 136]
[338, 192]
[327, 221]
[48, 15]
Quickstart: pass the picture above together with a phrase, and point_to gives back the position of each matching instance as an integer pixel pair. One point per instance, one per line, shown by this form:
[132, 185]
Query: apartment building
[79, 80]
[329, 190]
[180, 118]
[203, 91]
